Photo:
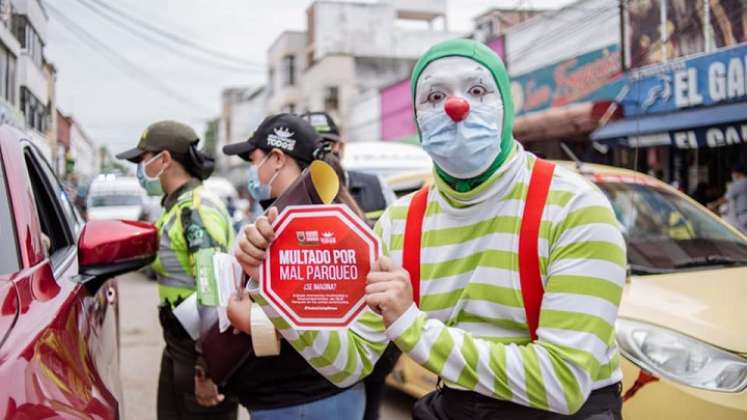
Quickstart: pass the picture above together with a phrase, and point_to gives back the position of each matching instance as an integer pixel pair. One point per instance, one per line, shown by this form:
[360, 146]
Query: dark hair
[343, 196]
[197, 163]
[739, 167]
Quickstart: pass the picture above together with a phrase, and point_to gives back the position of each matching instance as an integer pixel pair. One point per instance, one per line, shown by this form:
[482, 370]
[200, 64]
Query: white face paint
[460, 77]
[460, 116]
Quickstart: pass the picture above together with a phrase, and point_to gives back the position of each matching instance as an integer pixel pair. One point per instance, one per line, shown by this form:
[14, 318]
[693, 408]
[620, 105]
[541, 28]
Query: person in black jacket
[284, 386]
[373, 196]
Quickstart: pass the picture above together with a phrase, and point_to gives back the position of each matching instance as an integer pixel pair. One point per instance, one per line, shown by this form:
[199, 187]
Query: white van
[385, 159]
[116, 197]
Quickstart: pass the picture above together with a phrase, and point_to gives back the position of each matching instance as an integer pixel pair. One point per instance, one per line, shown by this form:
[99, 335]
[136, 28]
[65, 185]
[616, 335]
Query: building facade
[27, 80]
[349, 48]
[243, 109]
[286, 60]
[77, 153]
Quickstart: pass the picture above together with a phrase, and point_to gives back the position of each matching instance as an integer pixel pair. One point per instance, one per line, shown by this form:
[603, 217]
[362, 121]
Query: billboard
[595, 75]
[657, 31]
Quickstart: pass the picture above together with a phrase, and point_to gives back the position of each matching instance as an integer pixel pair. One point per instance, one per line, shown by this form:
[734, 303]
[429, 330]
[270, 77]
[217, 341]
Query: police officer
[194, 224]
[369, 191]
[373, 196]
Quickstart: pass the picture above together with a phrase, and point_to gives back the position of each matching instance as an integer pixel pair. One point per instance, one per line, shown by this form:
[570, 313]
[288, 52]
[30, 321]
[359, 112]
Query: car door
[100, 309]
[64, 343]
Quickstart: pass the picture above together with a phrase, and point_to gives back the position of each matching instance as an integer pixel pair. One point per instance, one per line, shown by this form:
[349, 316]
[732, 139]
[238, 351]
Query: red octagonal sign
[315, 271]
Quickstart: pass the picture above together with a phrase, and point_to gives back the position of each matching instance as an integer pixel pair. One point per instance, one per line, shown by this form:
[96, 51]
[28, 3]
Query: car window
[665, 231]
[71, 214]
[58, 237]
[9, 258]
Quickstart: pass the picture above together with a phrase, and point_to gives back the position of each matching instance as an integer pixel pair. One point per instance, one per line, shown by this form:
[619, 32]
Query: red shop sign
[315, 271]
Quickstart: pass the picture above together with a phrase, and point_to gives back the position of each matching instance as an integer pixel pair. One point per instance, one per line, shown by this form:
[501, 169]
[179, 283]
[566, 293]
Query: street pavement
[142, 344]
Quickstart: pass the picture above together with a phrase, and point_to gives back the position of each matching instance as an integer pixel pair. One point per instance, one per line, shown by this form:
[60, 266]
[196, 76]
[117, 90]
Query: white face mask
[460, 116]
[151, 184]
[257, 189]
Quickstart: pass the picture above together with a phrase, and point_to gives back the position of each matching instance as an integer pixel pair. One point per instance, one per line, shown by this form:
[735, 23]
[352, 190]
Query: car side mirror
[108, 248]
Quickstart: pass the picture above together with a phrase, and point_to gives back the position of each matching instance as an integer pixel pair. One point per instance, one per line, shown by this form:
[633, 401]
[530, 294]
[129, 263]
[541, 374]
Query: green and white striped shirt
[471, 327]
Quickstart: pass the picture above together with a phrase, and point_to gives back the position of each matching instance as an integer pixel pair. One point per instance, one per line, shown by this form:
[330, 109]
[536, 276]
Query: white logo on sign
[661, 91]
[328, 238]
[282, 139]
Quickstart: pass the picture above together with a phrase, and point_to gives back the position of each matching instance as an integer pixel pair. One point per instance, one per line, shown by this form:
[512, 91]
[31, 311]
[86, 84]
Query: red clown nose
[457, 108]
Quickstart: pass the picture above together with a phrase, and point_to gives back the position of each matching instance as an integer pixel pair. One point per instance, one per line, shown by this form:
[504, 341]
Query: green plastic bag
[207, 287]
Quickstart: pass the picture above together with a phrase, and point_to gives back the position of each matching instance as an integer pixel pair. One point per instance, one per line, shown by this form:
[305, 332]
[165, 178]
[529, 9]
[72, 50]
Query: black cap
[173, 136]
[287, 132]
[323, 124]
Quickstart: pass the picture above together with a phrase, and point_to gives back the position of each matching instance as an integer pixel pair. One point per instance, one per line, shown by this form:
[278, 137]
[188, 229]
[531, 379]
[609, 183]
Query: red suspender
[529, 263]
[413, 233]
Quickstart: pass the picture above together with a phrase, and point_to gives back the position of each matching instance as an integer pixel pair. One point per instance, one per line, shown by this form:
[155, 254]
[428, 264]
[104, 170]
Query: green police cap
[173, 136]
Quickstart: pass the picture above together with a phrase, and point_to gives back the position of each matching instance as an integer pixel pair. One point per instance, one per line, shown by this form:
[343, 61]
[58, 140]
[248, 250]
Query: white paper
[228, 273]
[188, 315]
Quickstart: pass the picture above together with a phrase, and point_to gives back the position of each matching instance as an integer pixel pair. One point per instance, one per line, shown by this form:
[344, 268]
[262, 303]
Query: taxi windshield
[665, 232]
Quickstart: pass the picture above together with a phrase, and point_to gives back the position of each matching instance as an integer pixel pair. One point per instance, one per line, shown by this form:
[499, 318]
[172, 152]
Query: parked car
[682, 327]
[394, 159]
[116, 197]
[409, 182]
[59, 327]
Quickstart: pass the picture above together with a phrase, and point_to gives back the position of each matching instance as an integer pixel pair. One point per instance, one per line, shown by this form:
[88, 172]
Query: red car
[59, 326]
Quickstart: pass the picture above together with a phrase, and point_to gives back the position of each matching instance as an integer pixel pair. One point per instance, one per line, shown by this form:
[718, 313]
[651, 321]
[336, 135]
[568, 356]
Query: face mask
[465, 149]
[257, 189]
[151, 185]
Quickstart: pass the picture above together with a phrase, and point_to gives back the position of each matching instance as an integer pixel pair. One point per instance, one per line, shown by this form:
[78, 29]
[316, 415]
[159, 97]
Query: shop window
[331, 98]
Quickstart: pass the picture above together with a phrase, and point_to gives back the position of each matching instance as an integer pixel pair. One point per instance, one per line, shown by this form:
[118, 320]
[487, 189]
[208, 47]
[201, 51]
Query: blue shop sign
[703, 80]
[708, 137]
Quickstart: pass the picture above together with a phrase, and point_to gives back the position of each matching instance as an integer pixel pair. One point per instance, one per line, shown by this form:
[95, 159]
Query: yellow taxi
[682, 327]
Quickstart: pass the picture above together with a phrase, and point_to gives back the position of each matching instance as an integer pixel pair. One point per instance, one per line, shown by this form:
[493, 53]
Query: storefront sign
[315, 271]
[710, 136]
[700, 81]
[596, 75]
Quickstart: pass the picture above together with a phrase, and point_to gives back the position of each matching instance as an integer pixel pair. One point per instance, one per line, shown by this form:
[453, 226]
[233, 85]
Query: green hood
[480, 53]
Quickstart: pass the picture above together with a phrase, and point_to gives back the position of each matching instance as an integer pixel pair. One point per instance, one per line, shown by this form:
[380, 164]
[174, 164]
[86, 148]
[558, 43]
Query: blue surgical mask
[465, 149]
[151, 185]
[257, 189]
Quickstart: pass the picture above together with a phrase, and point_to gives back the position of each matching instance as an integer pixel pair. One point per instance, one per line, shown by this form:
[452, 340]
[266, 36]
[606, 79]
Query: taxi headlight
[680, 358]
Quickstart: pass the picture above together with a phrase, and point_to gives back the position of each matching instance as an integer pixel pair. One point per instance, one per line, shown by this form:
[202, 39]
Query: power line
[175, 37]
[124, 65]
[157, 41]
[560, 33]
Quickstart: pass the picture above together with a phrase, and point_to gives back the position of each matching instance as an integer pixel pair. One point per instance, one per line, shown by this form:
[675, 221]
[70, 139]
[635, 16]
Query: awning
[714, 126]
[563, 122]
